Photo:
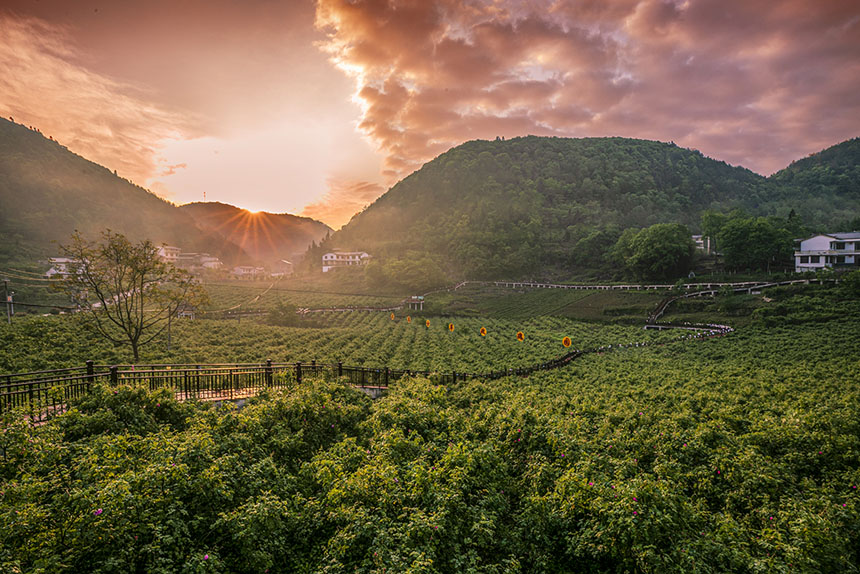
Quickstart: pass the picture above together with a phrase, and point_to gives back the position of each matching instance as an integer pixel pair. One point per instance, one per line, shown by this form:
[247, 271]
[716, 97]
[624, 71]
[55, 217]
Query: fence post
[231, 384]
[269, 372]
[114, 376]
[298, 371]
[339, 369]
[90, 372]
[387, 372]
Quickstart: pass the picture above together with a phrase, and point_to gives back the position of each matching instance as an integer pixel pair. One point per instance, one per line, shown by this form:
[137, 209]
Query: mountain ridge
[488, 209]
[267, 237]
[48, 191]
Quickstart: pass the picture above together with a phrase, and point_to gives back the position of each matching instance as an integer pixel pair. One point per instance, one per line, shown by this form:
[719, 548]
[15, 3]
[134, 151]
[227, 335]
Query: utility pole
[8, 298]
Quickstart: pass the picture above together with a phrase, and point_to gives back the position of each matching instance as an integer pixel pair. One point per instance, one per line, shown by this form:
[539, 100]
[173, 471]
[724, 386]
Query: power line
[46, 306]
[27, 272]
[24, 278]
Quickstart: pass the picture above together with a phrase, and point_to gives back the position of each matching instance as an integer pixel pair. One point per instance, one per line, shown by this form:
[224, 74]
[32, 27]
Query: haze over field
[317, 107]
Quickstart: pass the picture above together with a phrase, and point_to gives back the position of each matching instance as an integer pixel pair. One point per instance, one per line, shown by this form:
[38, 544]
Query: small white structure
[836, 250]
[703, 243]
[343, 259]
[169, 254]
[247, 271]
[60, 267]
[196, 262]
[209, 262]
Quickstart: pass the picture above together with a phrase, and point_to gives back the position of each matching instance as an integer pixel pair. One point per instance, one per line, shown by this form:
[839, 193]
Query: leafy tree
[756, 243]
[125, 290]
[662, 251]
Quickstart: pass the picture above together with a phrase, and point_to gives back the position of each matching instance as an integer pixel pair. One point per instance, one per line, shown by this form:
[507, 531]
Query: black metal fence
[47, 393]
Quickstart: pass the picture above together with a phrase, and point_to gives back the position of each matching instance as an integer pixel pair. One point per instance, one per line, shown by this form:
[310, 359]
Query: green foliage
[734, 454]
[414, 273]
[663, 251]
[358, 338]
[123, 410]
[283, 315]
[825, 185]
[530, 206]
[125, 290]
[756, 243]
[850, 283]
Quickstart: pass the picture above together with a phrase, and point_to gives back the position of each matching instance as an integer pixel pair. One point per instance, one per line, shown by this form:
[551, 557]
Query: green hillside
[46, 192]
[828, 183]
[267, 237]
[537, 205]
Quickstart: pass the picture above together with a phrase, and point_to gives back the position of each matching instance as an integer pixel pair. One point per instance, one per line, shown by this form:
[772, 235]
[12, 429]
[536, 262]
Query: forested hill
[46, 192]
[267, 237]
[504, 208]
[828, 182]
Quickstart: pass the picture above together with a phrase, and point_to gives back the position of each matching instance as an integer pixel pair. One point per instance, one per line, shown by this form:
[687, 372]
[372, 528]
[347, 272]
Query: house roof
[846, 235]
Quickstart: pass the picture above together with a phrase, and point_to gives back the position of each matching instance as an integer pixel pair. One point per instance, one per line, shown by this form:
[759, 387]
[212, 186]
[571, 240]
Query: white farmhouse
[60, 267]
[169, 254]
[836, 250]
[343, 259]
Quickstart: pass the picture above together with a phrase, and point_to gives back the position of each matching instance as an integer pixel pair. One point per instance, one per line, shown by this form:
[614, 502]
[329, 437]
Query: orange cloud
[344, 199]
[748, 82]
[109, 122]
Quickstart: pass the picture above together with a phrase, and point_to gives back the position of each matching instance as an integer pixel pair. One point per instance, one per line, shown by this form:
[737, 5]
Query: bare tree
[126, 290]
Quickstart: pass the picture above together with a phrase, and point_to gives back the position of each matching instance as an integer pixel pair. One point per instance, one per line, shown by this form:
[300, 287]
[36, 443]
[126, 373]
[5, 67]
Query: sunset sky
[317, 107]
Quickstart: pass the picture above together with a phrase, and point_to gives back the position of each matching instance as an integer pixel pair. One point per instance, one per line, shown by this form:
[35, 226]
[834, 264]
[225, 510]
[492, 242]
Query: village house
[343, 259]
[198, 261]
[169, 254]
[832, 250]
[59, 267]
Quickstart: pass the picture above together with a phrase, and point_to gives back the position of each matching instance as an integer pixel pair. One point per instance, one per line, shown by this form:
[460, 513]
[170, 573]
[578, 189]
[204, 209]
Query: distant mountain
[527, 205]
[47, 192]
[267, 237]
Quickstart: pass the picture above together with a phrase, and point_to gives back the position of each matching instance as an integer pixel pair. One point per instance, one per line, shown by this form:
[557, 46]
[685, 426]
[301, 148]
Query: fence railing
[47, 393]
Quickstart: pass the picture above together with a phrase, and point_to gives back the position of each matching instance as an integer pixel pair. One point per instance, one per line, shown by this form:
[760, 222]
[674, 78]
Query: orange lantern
[566, 341]
[408, 319]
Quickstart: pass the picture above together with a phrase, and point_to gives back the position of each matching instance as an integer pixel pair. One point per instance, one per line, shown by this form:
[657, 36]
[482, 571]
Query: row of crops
[732, 454]
[263, 296]
[369, 339]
